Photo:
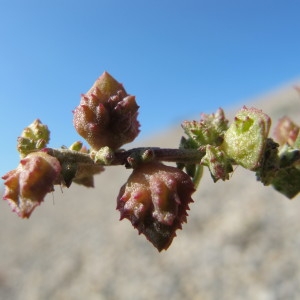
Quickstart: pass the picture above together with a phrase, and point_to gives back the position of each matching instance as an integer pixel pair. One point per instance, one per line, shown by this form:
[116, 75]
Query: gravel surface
[241, 241]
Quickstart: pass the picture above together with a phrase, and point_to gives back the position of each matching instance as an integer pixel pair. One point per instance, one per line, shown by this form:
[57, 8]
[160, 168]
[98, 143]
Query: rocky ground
[241, 241]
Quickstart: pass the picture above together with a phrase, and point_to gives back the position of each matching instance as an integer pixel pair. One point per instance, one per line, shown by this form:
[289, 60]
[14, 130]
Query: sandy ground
[241, 241]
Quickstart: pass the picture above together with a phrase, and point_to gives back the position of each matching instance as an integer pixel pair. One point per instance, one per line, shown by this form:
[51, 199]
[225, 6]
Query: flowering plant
[156, 196]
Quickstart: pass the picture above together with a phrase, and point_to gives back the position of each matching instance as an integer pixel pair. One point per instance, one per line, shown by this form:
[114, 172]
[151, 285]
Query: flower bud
[34, 137]
[209, 130]
[26, 186]
[155, 199]
[107, 115]
[78, 146]
[245, 140]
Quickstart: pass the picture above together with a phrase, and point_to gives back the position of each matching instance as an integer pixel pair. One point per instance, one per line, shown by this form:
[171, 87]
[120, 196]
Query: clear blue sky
[179, 58]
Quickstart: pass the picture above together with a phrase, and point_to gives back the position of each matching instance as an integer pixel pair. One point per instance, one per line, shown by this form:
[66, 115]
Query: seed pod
[28, 184]
[107, 115]
[155, 199]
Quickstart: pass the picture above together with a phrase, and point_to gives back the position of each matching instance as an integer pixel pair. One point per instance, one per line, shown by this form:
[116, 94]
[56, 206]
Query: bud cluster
[34, 137]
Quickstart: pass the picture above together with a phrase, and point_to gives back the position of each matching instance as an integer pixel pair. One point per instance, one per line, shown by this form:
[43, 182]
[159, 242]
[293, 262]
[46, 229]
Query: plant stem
[161, 154]
[133, 156]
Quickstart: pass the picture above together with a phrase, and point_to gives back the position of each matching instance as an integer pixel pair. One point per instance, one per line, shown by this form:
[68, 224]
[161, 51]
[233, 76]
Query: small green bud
[209, 130]
[104, 155]
[37, 131]
[34, 137]
[245, 140]
[76, 146]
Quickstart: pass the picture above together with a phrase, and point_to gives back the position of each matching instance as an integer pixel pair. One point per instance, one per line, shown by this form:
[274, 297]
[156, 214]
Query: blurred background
[180, 59]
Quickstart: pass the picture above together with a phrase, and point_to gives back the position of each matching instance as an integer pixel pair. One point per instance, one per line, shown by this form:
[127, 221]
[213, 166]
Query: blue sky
[179, 58]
